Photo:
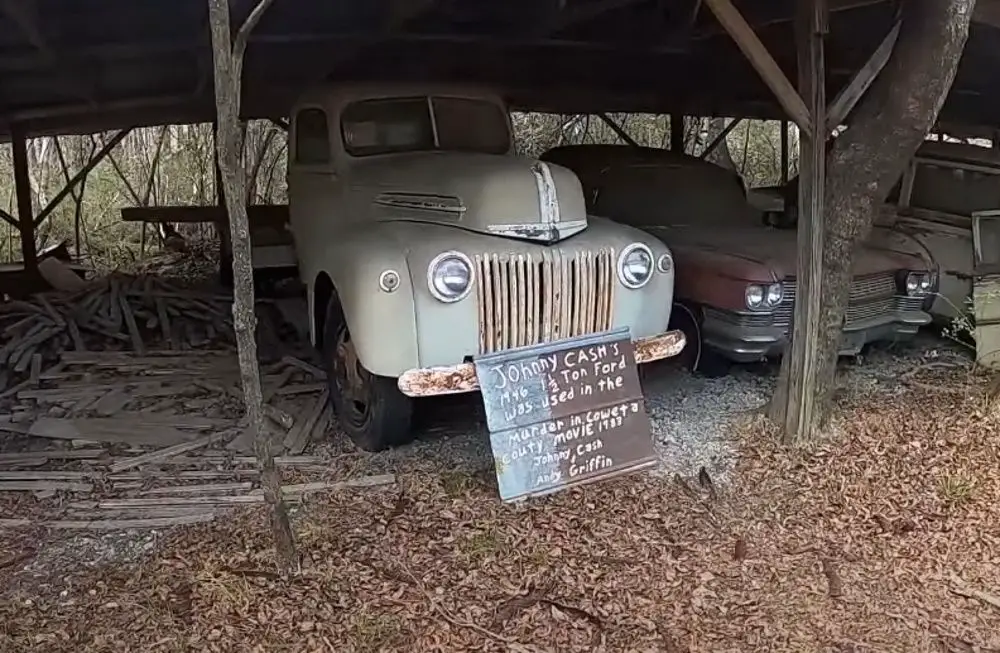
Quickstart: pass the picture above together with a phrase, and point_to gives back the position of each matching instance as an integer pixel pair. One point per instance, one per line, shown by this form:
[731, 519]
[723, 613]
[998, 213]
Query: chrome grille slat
[527, 299]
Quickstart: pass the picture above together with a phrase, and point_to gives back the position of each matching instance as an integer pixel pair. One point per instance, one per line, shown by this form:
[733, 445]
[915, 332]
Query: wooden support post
[22, 185]
[677, 132]
[807, 317]
[762, 61]
[785, 126]
[227, 55]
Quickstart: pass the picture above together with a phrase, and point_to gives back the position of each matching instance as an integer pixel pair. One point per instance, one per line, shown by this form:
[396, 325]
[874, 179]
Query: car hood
[760, 253]
[511, 196]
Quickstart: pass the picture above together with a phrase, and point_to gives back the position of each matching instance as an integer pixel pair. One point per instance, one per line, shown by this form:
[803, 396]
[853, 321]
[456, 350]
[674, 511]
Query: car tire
[696, 357]
[369, 408]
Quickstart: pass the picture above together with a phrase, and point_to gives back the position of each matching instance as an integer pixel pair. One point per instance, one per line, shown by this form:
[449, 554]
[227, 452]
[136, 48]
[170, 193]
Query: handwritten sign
[564, 413]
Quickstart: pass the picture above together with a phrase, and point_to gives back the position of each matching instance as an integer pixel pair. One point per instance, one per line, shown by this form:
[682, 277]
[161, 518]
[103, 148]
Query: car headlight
[449, 276]
[760, 296]
[917, 283]
[635, 265]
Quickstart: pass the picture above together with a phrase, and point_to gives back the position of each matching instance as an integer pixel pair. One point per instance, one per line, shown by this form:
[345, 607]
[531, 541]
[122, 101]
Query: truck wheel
[370, 408]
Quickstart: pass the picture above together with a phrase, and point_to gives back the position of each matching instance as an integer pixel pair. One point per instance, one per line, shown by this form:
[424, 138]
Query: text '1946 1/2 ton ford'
[424, 242]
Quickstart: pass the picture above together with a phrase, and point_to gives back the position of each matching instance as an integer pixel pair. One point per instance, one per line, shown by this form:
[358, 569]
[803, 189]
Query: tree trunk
[228, 73]
[888, 126]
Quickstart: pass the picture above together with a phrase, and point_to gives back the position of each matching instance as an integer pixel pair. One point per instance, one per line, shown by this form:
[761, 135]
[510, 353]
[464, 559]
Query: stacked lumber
[119, 311]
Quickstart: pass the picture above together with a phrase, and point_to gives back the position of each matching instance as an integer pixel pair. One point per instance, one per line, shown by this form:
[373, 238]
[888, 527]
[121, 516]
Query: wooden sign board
[565, 413]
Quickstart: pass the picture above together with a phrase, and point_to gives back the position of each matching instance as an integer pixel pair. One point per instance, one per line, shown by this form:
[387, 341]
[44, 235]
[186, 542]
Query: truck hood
[759, 253]
[509, 196]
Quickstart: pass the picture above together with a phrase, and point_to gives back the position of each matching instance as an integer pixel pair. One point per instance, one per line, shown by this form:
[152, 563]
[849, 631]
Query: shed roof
[75, 66]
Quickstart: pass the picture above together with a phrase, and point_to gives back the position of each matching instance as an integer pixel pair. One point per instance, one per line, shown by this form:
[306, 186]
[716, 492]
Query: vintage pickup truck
[423, 241]
[735, 283]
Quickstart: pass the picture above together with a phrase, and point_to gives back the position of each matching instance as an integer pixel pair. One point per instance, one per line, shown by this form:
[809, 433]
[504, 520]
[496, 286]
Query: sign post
[565, 413]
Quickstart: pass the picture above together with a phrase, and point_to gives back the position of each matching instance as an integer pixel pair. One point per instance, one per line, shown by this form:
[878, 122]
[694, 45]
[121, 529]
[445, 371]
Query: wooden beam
[677, 132]
[78, 177]
[22, 185]
[849, 96]
[718, 139]
[617, 129]
[761, 60]
[807, 326]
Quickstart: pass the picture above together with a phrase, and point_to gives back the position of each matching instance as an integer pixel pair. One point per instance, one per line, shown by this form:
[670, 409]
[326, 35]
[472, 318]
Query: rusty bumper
[456, 379]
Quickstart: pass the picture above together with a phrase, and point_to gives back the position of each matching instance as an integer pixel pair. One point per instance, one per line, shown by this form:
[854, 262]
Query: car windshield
[653, 195]
[407, 124]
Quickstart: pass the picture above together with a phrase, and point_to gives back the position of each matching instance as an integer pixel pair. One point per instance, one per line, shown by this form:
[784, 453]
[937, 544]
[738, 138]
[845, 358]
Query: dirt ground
[885, 537]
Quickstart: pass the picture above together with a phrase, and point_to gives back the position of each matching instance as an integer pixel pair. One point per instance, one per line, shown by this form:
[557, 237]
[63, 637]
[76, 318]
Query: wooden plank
[41, 486]
[762, 61]
[849, 96]
[54, 454]
[44, 476]
[300, 388]
[126, 524]
[298, 438]
[108, 429]
[304, 366]
[169, 452]
[207, 488]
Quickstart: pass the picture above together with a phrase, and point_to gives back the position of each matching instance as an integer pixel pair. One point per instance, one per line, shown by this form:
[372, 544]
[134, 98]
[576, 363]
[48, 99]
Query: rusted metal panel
[565, 413]
[456, 379]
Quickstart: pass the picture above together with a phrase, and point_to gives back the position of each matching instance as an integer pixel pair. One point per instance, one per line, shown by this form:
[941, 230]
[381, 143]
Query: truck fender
[382, 324]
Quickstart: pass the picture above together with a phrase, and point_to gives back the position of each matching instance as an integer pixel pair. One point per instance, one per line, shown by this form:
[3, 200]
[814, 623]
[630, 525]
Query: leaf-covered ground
[884, 538]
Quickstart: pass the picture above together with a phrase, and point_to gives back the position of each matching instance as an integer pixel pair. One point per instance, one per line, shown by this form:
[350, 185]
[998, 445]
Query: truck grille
[527, 299]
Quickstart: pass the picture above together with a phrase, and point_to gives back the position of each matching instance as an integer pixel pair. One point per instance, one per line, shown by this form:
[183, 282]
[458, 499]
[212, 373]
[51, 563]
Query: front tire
[370, 408]
[696, 357]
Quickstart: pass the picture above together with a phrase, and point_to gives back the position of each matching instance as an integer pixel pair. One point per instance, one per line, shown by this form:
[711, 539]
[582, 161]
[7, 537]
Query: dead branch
[228, 60]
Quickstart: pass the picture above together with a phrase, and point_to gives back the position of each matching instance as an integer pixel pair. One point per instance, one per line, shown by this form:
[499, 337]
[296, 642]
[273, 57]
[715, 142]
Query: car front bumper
[456, 379]
[748, 344]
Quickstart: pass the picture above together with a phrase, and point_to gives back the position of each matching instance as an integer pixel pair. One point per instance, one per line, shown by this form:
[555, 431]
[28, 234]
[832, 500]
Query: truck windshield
[407, 125]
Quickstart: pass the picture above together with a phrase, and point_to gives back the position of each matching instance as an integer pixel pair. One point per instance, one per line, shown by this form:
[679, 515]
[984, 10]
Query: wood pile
[147, 425]
[118, 311]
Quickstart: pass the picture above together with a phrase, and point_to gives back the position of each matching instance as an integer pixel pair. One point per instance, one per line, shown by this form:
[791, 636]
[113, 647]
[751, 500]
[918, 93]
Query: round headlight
[635, 265]
[775, 293]
[912, 284]
[449, 276]
[665, 263]
[755, 295]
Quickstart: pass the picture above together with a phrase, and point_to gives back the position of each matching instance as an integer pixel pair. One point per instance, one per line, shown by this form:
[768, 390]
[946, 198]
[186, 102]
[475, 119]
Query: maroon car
[735, 275]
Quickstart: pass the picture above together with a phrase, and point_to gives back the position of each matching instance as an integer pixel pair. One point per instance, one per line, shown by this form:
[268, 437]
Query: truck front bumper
[745, 344]
[456, 379]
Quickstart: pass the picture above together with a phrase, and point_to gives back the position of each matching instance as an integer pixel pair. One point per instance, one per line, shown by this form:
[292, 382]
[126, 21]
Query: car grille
[527, 299]
[871, 296]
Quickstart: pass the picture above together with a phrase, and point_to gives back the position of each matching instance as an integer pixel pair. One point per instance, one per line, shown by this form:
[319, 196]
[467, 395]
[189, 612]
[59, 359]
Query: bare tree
[888, 126]
[228, 80]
